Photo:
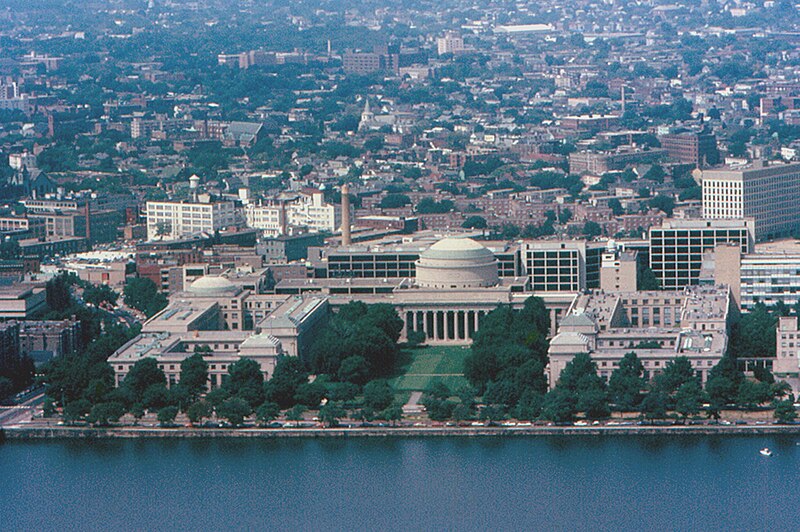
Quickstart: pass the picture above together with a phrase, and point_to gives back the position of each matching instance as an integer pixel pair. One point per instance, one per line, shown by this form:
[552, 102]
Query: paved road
[11, 415]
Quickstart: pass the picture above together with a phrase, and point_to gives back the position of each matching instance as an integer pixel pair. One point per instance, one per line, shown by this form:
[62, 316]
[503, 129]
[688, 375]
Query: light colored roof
[260, 340]
[578, 320]
[570, 339]
[457, 248]
[212, 285]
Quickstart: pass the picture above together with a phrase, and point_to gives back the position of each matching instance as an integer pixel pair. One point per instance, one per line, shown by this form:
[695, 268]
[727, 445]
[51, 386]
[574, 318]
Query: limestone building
[657, 326]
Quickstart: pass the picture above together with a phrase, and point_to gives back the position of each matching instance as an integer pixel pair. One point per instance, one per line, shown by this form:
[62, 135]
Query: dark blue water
[611, 483]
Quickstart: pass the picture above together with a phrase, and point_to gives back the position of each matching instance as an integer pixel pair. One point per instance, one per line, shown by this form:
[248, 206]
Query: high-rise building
[769, 194]
[677, 247]
[450, 43]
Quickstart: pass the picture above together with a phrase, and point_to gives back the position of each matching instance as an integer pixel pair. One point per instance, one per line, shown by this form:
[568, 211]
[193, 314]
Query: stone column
[436, 325]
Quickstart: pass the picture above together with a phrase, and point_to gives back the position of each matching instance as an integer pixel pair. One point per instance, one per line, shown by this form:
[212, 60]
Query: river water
[530, 483]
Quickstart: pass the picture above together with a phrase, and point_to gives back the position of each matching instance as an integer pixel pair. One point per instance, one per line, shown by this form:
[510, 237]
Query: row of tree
[244, 392]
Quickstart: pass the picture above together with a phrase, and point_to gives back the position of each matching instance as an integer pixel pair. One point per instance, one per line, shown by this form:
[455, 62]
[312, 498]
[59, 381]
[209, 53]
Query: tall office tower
[677, 247]
[769, 194]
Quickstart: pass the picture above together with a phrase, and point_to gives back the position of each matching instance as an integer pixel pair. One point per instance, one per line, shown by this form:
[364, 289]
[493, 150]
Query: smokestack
[346, 215]
[284, 224]
[88, 225]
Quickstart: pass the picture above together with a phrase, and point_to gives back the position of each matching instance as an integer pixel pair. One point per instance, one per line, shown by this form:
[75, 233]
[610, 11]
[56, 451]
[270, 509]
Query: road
[11, 415]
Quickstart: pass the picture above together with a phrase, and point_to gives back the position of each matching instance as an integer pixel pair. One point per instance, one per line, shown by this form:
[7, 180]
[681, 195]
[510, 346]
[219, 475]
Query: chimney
[88, 225]
[284, 222]
[346, 215]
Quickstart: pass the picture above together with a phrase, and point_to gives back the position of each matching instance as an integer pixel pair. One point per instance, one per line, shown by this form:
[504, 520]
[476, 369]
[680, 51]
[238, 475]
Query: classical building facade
[657, 326]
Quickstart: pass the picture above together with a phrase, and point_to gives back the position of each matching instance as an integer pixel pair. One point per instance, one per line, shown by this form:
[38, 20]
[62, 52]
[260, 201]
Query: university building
[658, 326]
[678, 246]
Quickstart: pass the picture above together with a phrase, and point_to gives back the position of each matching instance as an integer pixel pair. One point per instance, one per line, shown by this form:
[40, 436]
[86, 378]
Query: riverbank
[37, 433]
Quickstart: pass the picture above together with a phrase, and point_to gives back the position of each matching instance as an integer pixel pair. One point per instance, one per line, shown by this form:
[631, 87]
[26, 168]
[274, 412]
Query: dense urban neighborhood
[288, 215]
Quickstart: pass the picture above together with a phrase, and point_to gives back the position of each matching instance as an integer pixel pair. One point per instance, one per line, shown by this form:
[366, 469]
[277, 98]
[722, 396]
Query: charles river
[525, 483]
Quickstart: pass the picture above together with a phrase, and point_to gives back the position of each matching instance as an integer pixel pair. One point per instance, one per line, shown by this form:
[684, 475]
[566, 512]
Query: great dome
[455, 262]
[211, 285]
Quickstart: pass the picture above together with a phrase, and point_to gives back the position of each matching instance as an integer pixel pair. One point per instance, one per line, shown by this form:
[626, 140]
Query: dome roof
[455, 262]
[457, 248]
[212, 285]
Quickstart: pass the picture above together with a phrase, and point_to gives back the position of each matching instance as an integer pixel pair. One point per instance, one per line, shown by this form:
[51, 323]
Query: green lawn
[424, 366]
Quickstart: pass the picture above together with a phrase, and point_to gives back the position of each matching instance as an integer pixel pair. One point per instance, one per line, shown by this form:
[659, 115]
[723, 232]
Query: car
[275, 425]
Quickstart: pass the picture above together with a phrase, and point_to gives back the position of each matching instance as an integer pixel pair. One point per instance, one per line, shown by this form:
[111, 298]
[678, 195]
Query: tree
[288, 375]
[98, 294]
[753, 393]
[104, 413]
[627, 382]
[310, 394]
[415, 338]
[296, 413]
[194, 375]
[559, 406]
[144, 374]
[142, 294]
[156, 396]
[75, 410]
[689, 398]
[246, 381]
[167, 415]
[267, 412]
[646, 279]
[378, 395]
[475, 222]
[654, 405]
[663, 203]
[198, 411]
[392, 414]
[437, 409]
[331, 413]
[394, 201]
[616, 207]
[234, 410]
[676, 373]
[592, 229]
[579, 378]
[785, 411]
[57, 294]
[754, 334]
[722, 385]
[354, 369]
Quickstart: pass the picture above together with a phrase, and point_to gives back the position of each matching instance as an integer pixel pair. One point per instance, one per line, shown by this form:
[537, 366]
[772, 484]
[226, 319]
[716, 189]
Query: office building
[677, 247]
[769, 194]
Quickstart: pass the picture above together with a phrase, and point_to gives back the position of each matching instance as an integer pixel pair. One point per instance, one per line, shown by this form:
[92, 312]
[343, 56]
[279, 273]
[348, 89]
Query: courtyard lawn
[426, 365]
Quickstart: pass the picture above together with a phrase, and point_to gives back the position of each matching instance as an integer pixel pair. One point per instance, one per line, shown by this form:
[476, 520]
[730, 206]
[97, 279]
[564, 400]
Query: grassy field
[424, 366]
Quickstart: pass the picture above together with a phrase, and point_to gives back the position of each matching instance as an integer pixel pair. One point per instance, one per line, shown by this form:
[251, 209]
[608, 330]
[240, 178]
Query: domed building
[212, 286]
[456, 263]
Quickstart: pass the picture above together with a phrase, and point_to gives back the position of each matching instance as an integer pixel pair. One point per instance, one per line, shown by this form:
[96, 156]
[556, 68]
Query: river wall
[34, 433]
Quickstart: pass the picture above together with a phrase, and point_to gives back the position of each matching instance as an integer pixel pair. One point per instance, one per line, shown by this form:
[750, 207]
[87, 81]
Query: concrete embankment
[32, 433]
